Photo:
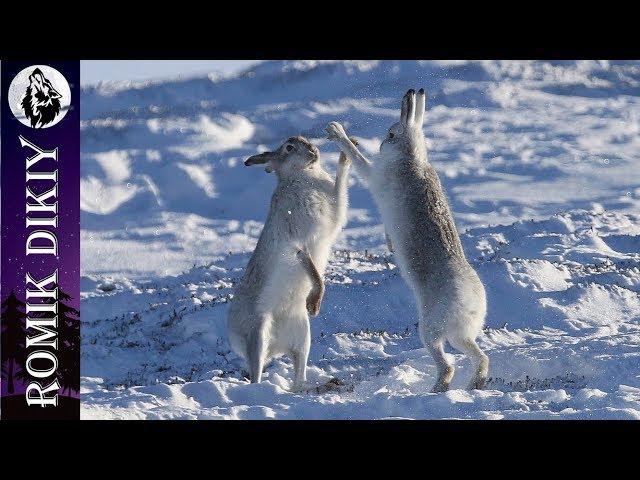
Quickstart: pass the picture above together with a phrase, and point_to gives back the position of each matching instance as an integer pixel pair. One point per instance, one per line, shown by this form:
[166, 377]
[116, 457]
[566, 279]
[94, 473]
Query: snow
[538, 161]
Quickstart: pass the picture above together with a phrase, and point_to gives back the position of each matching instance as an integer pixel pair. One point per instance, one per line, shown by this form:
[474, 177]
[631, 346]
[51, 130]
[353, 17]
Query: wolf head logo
[41, 101]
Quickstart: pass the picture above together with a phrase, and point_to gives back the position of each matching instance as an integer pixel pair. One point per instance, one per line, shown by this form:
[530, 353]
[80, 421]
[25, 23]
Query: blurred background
[96, 71]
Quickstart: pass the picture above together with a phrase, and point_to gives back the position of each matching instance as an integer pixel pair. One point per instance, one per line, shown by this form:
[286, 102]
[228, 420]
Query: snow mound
[160, 350]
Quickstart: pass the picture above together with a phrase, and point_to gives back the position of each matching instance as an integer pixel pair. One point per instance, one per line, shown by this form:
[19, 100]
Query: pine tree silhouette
[68, 351]
[13, 339]
[68, 344]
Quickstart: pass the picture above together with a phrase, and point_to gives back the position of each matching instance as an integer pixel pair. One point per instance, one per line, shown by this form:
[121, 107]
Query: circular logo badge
[39, 96]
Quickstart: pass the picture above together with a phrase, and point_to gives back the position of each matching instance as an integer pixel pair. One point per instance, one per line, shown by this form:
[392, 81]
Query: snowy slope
[540, 164]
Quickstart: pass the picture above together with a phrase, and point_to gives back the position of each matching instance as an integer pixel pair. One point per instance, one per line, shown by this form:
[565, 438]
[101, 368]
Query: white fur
[268, 315]
[449, 295]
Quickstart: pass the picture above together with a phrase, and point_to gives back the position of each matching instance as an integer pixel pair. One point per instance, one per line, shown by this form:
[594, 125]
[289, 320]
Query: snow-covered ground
[541, 164]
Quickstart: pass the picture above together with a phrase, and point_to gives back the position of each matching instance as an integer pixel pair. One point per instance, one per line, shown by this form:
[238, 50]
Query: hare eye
[289, 148]
[391, 135]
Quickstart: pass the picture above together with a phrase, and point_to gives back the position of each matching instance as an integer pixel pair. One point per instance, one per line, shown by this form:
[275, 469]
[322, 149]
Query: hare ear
[420, 106]
[408, 108]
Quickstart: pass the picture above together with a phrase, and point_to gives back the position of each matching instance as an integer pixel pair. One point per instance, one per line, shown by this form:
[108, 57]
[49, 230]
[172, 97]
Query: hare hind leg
[300, 355]
[469, 347]
[257, 351]
[445, 368]
[431, 334]
[435, 343]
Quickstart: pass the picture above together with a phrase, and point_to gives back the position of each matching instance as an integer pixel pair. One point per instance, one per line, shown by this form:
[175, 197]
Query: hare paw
[313, 306]
[335, 131]
[344, 161]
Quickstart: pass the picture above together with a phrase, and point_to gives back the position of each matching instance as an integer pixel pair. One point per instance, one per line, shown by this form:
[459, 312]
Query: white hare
[282, 285]
[420, 230]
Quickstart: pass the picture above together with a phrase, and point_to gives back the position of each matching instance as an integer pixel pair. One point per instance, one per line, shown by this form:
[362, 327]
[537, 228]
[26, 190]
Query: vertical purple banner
[40, 247]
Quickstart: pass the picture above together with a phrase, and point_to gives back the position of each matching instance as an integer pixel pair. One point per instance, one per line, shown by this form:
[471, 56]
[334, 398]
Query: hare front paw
[344, 161]
[313, 305]
[335, 131]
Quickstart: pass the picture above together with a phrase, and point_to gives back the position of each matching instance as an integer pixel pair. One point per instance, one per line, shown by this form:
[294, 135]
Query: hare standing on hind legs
[282, 285]
[449, 294]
